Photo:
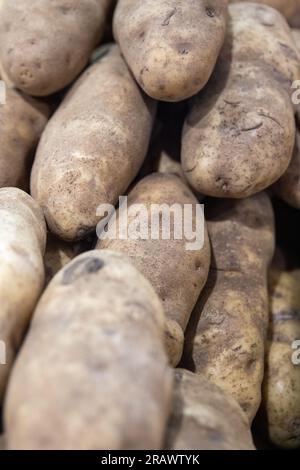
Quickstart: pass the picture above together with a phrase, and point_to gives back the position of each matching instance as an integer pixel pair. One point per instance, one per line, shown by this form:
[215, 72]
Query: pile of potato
[142, 344]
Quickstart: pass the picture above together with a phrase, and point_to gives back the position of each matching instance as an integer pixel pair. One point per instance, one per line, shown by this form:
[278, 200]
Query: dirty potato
[92, 148]
[46, 44]
[23, 120]
[227, 332]
[178, 274]
[239, 135]
[171, 46]
[281, 387]
[96, 340]
[204, 417]
[22, 245]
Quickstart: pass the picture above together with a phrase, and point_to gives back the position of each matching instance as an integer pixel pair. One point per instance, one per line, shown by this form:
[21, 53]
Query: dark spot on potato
[210, 11]
[81, 268]
[166, 21]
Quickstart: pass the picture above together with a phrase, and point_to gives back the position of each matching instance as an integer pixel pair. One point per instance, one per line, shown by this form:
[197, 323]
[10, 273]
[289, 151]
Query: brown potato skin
[22, 245]
[171, 47]
[98, 311]
[288, 187]
[226, 335]
[92, 147]
[239, 135]
[177, 275]
[204, 417]
[23, 120]
[281, 387]
[45, 45]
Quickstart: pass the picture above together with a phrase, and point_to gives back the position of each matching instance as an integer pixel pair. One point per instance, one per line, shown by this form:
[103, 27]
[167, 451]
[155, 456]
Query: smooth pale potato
[92, 148]
[96, 341]
[204, 417]
[22, 245]
[171, 46]
[23, 120]
[239, 136]
[45, 44]
[226, 336]
[281, 387]
[288, 187]
[178, 275]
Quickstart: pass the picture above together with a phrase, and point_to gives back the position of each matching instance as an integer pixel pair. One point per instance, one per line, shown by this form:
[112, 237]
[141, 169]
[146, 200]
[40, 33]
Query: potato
[204, 417]
[22, 244]
[96, 340]
[281, 388]
[239, 135]
[171, 46]
[92, 147]
[23, 120]
[287, 8]
[178, 275]
[288, 187]
[45, 44]
[227, 332]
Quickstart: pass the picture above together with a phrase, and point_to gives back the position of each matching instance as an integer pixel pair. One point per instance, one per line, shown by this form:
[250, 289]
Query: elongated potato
[171, 46]
[96, 340]
[45, 44]
[239, 135]
[177, 274]
[22, 244]
[227, 331]
[288, 187]
[92, 147]
[22, 122]
[204, 417]
[281, 388]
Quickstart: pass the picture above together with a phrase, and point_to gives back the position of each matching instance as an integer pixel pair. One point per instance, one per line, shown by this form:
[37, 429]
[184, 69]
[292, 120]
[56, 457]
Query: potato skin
[23, 120]
[45, 45]
[239, 135]
[288, 8]
[226, 335]
[177, 275]
[288, 187]
[92, 147]
[22, 244]
[281, 387]
[204, 417]
[98, 311]
[171, 47]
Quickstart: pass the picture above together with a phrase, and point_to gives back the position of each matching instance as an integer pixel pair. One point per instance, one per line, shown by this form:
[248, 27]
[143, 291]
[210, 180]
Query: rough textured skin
[239, 135]
[45, 44]
[204, 417]
[22, 122]
[288, 187]
[281, 388]
[93, 318]
[288, 8]
[227, 331]
[177, 275]
[22, 244]
[171, 46]
[92, 147]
